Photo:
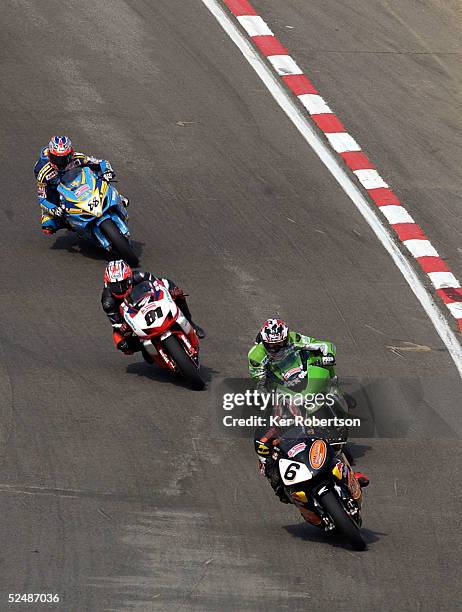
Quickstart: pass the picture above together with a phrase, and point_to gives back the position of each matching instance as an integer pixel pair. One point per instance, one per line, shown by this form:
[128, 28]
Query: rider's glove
[318, 347]
[109, 175]
[122, 328]
[328, 360]
[123, 345]
[57, 211]
[177, 293]
[125, 329]
[262, 449]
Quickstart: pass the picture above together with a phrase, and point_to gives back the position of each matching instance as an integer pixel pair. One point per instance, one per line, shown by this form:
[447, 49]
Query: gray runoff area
[121, 490]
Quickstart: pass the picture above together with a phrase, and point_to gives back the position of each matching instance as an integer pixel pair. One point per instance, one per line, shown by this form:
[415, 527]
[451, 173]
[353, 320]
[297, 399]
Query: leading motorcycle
[319, 480]
[312, 457]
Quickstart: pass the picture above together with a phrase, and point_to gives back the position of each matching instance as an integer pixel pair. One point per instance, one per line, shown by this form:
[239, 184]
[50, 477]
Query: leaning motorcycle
[311, 458]
[93, 209]
[299, 377]
[166, 336]
[320, 482]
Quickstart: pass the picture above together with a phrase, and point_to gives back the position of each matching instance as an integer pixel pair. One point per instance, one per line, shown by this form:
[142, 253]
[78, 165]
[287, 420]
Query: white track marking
[314, 104]
[456, 309]
[370, 179]
[284, 64]
[421, 248]
[441, 280]
[343, 142]
[277, 90]
[254, 26]
[396, 214]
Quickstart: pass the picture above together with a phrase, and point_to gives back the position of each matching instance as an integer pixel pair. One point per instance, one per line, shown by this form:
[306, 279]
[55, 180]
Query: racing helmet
[118, 278]
[60, 152]
[274, 334]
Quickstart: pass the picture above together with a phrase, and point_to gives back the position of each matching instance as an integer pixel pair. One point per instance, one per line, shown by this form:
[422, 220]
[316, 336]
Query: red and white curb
[408, 231]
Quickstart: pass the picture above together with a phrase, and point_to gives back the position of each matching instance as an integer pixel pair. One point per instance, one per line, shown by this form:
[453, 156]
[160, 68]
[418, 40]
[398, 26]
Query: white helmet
[274, 333]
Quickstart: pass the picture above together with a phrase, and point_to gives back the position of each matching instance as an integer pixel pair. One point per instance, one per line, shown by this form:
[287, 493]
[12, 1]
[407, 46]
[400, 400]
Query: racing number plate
[293, 472]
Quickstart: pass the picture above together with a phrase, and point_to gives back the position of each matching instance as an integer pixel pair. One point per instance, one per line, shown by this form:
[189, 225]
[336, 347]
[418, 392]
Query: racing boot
[280, 492]
[362, 479]
[180, 298]
[198, 329]
[50, 225]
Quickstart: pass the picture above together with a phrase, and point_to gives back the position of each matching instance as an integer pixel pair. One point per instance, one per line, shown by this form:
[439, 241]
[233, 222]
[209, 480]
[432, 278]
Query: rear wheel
[186, 366]
[119, 243]
[342, 521]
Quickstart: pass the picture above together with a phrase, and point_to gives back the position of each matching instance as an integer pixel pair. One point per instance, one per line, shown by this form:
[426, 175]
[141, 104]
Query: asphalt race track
[120, 489]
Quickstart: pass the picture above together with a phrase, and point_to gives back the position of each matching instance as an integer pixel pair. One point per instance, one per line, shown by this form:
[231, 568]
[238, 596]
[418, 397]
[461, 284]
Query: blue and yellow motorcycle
[93, 209]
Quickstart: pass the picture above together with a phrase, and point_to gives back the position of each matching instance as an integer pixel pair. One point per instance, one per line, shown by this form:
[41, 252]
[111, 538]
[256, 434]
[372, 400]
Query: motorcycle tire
[186, 366]
[119, 243]
[342, 521]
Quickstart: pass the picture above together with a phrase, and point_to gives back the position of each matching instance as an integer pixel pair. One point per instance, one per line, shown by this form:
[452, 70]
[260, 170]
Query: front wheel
[119, 243]
[342, 521]
[185, 364]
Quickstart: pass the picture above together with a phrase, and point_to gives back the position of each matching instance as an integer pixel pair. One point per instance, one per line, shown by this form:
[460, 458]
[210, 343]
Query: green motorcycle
[303, 388]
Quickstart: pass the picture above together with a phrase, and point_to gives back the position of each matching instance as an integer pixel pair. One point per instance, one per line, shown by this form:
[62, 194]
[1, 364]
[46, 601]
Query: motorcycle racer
[273, 342]
[55, 159]
[119, 280]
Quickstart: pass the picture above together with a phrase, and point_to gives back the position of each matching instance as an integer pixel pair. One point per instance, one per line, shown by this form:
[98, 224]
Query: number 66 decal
[293, 471]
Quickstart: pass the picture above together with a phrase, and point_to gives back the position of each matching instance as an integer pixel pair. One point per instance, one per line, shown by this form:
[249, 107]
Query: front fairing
[295, 375]
[296, 442]
[150, 310]
[307, 474]
[82, 214]
[82, 192]
[301, 387]
[299, 455]
[87, 198]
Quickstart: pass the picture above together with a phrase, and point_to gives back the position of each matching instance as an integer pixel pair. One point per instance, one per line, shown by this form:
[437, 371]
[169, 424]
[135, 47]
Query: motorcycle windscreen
[142, 294]
[79, 187]
[315, 453]
[150, 308]
[79, 183]
[292, 436]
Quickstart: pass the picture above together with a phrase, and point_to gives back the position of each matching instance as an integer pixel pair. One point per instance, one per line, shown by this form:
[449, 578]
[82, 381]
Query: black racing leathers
[111, 304]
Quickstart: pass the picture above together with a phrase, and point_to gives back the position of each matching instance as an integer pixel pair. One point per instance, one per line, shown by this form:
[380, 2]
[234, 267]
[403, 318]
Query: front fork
[119, 222]
[347, 490]
[157, 352]
[351, 505]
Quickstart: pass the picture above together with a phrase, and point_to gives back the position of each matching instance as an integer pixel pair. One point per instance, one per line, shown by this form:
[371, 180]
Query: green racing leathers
[260, 363]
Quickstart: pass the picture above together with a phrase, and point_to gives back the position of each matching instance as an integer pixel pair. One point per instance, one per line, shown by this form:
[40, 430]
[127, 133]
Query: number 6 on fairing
[293, 471]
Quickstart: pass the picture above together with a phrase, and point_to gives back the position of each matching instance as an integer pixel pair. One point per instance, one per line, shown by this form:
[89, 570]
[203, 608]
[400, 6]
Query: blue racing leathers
[48, 179]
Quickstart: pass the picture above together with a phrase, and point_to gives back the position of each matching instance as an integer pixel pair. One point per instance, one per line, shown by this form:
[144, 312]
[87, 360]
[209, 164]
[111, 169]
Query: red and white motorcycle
[165, 333]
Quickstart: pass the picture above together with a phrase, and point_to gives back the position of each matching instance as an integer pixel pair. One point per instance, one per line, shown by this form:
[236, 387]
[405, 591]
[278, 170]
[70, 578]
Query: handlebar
[101, 176]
